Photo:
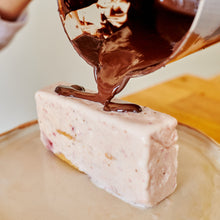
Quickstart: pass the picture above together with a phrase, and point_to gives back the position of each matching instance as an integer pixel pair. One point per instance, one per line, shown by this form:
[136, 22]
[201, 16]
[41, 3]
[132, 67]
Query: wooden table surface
[193, 101]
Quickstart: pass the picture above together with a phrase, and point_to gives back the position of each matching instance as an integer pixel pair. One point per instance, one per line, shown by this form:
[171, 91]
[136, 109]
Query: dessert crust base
[63, 158]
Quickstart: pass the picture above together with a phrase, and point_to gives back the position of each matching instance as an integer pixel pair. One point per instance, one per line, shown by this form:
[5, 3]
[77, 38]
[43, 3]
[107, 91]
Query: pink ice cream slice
[131, 155]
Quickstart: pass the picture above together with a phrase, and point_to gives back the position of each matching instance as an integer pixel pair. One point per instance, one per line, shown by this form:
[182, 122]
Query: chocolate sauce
[78, 88]
[142, 45]
[188, 7]
[72, 5]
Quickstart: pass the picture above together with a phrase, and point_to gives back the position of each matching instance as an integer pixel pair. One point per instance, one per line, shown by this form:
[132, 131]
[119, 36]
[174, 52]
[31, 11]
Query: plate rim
[19, 127]
[180, 124]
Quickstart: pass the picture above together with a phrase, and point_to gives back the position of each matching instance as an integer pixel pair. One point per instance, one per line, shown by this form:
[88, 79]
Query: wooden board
[192, 100]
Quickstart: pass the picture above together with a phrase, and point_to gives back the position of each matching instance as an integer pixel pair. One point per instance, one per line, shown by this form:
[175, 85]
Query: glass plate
[34, 184]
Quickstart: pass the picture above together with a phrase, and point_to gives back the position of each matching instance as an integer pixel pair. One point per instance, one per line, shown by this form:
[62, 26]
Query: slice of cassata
[131, 155]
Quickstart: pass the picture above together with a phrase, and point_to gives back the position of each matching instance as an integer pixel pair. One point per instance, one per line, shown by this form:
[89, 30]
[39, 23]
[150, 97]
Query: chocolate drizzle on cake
[140, 46]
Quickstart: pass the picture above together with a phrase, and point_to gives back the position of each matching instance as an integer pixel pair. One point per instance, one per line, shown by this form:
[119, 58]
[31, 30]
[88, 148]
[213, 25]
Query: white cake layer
[131, 155]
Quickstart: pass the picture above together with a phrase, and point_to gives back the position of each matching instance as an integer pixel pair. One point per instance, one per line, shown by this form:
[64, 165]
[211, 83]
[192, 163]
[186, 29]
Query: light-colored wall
[41, 54]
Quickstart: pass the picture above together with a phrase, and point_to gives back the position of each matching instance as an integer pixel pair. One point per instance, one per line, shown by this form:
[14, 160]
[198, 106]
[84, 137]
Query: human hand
[11, 9]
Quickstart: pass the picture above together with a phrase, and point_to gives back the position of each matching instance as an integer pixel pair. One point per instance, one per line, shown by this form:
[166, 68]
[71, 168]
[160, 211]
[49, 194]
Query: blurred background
[41, 55]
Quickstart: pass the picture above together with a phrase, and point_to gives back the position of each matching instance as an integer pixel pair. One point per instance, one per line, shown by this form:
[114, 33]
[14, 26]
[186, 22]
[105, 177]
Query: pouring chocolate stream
[121, 40]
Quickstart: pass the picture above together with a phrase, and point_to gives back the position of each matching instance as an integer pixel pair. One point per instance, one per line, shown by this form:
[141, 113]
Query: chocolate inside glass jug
[141, 45]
